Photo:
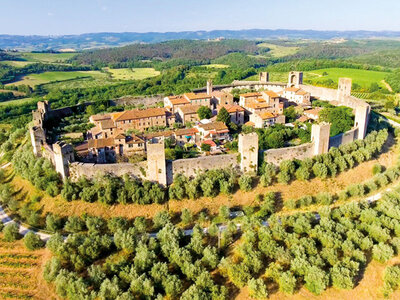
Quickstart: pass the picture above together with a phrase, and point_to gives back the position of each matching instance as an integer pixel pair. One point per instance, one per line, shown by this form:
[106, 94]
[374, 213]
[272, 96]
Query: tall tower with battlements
[248, 149]
[156, 165]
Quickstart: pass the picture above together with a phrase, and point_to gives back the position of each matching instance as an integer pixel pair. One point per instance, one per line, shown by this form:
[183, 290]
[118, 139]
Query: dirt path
[387, 86]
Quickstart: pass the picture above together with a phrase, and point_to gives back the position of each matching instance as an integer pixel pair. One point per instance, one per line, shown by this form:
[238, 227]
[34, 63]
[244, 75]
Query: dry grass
[21, 272]
[370, 287]
[296, 189]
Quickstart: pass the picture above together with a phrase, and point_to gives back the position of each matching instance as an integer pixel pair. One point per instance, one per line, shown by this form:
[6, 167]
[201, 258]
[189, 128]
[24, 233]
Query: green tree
[224, 116]
[316, 280]
[290, 114]
[11, 232]
[32, 241]
[204, 112]
[205, 147]
[257, 289]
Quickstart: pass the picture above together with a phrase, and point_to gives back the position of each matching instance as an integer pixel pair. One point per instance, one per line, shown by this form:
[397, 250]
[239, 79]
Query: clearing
[17, 102]
[279, 51]
[47, 57]
[16, 63]
[132, 73]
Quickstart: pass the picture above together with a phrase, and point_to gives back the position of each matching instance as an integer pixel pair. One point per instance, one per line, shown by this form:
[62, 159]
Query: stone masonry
[248, 149]
[156, 164]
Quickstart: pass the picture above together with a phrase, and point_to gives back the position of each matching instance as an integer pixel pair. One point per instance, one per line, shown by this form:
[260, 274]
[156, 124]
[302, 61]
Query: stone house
[248, 98]
[172, 103]
[297, 95]
[188, 113]
[185, 135]
[140, 119]
[313, 113]
[213, 130]
[236, 112]
[266, 119]
[198, 99]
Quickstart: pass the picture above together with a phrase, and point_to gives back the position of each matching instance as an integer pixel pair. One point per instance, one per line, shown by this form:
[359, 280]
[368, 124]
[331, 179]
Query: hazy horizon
[96, 16]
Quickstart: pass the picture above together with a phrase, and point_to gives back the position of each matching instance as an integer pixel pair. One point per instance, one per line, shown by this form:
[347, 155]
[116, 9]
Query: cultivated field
[279, 51]
[21, 272]
[42, 78]
[47, 57]
[361, 77]
[17, 102]
[14, 63]
[132, 73]
[216, 66]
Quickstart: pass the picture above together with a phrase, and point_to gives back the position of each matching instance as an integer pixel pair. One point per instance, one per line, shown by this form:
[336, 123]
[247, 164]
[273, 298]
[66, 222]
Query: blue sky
[53, 17]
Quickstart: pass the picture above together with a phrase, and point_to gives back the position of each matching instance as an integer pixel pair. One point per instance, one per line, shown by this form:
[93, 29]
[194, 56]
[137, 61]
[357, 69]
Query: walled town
[199, 120]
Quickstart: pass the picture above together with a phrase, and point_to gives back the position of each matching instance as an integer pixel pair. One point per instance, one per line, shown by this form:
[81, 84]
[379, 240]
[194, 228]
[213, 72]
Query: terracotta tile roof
[314, 111]
[107, 124]
[301, 92]
[134, 139]
[82, 147]
[139, 114]
[193, 96]
[261, 100]
[249, 123]
[232, 108]
[271, 94]
[189, 109]
[251, 94]
[176, 100]
[151, 135]
[219, 94]
[186, 131]
[209, 142]
[119, 136]
[100, 117]
[100, 143]
[95, 130]
[266, 115]
[303, 119]
[257, 105]
[217, 126]
[292, 89]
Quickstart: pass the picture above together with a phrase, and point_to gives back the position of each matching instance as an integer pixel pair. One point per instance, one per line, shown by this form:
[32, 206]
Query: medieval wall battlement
[156, 168]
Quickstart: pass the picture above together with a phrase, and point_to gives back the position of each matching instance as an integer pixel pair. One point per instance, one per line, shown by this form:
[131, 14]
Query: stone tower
[344, 89]
[320, 137]
[156, 165]
[209, 87]
[295, 79]
[264, 77]
[248, 149]
[361, 119]
[63, 156]
[38, 139]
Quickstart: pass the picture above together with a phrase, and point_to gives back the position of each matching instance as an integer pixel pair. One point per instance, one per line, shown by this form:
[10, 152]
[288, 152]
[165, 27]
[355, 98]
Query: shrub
[257, 289]
[391, 279]
[303, 173]
[186, 216]
[316, 280]
[266, 180]
[287, 282]
[324, 198]
[32, 241]
[11, 232]
[382, 252]
[320, 170]
[245, 183]
[376, 169]
[161, 219]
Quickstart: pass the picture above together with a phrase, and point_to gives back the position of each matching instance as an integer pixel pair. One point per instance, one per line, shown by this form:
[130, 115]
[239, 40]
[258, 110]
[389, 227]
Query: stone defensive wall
[90, 170]
[191, 166]
[276, 156]
[158, 169]
[147, 101]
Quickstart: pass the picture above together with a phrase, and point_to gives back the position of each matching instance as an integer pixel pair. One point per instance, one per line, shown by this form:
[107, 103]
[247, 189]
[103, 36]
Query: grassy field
[17, 64]
[35, 79]
[132, 73]
[47, 57]
[216, 66]
[361, 77]
[21, 272]
[279, 51]
[17, 101]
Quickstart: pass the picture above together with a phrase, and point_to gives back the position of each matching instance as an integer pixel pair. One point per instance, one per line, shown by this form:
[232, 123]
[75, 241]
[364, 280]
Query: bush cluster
[326, 165]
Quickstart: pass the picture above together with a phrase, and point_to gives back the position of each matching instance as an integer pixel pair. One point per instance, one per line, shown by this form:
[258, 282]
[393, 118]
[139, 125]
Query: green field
[17, 101]
[35, 79]
[14, 63]
[132, 73]
[279, 51]
[361, 77]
